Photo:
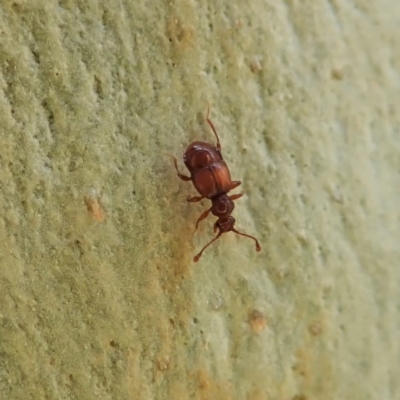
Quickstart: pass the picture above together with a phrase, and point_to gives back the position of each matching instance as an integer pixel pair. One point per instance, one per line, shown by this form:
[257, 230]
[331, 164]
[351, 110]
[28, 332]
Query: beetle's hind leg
[183, 177]
[212, 126]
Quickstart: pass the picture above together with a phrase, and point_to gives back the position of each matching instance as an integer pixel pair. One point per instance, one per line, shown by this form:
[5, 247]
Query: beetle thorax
[222, 206]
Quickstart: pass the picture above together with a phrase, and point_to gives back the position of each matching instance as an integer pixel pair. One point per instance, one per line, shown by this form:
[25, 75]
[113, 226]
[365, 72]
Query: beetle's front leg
[236, 196]
[202, 216]
[215, 227]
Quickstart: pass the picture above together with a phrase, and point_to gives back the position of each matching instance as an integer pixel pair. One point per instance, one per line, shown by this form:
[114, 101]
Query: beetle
[210, 176]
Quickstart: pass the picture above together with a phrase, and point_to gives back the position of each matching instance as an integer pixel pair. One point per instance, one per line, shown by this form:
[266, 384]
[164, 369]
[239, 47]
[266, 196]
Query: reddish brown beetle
[211, 177]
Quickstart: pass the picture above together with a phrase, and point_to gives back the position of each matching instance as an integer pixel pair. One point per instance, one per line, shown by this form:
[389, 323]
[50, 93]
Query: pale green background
[305, 97]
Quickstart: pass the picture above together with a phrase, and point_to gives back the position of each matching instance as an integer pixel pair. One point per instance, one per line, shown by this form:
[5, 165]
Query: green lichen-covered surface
[99, 297]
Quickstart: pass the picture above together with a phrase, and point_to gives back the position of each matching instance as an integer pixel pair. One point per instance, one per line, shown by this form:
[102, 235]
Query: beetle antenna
[212, 125]
[197, 257]
[258, 247]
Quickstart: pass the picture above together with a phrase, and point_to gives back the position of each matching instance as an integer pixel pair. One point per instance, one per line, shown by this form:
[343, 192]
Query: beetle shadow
[178, 217]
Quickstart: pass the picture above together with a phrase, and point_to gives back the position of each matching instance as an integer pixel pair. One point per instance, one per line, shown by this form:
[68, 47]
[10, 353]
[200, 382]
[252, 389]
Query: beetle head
[225, 224]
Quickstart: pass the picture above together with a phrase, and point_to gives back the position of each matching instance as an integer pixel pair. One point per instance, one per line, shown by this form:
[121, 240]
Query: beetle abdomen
[212, 180]
[199, 155]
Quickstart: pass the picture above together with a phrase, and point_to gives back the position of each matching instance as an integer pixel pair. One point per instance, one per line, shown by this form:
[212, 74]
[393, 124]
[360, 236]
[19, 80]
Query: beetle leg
[235, 184]
[183, 177]
[193, 199]
[215, 227]
[236, 196]
[202, 216]
[212, 126]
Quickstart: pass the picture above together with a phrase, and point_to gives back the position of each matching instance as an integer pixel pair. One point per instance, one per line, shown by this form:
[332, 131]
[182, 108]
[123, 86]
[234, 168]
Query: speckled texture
[99, 297]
